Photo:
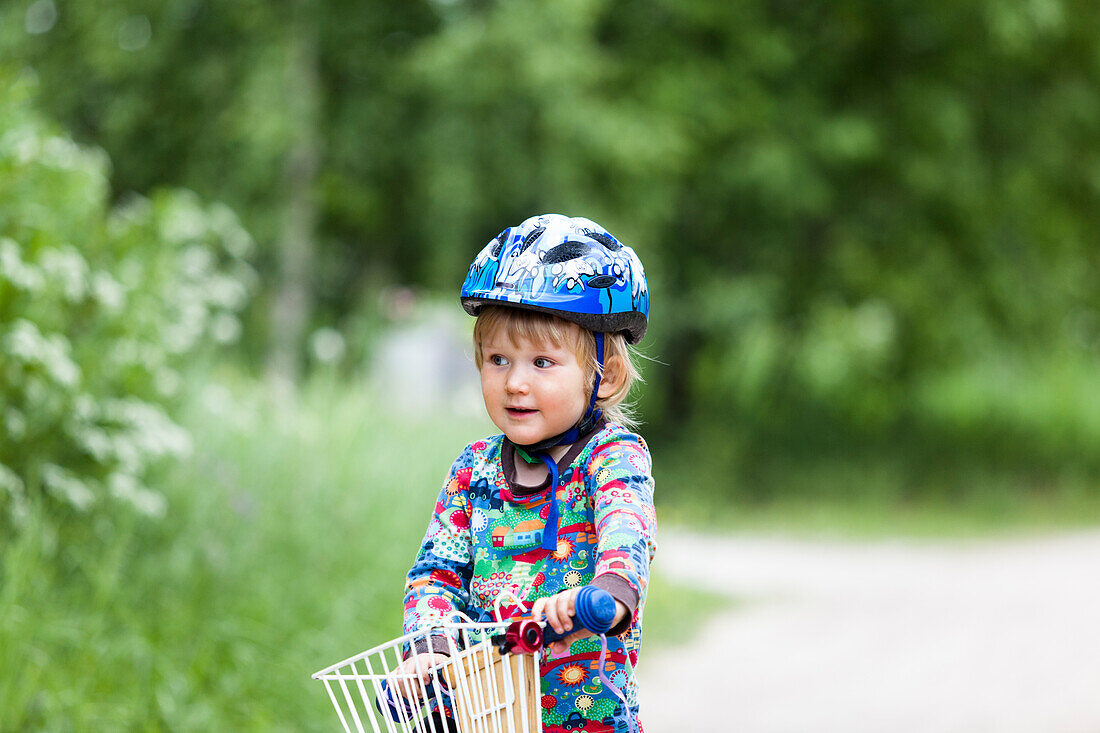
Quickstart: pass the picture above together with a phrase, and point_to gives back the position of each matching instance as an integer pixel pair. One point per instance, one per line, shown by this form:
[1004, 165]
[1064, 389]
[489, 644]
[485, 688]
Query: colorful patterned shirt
[484, 539]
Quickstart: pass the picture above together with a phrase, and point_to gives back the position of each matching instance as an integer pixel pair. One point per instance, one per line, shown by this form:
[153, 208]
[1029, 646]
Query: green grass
[287, 539]
[856, 519]
[288, 536]
[867, 501]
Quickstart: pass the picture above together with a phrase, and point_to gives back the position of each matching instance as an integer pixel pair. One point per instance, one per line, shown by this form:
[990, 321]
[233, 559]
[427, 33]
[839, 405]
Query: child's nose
[517, 381]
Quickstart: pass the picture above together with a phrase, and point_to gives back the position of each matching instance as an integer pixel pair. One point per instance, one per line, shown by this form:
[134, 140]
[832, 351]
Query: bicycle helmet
[574, 269]
[570, 267]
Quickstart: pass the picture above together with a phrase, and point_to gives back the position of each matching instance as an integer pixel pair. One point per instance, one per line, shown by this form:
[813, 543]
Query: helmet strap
[541, 450]
[586, 423]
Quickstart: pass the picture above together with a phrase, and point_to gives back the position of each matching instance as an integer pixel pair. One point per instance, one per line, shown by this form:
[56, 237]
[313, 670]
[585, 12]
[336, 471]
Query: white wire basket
[486, 691]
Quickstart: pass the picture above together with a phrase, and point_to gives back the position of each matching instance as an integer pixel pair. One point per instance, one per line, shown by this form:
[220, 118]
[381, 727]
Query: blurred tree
[280, 110]
[854, 215]
[857, 217]
[295, 242]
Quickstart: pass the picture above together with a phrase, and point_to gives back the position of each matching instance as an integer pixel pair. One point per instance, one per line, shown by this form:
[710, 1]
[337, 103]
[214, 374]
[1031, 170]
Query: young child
[557, 301]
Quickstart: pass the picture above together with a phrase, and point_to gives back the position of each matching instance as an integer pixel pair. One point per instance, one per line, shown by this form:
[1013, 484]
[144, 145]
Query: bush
[99, 307]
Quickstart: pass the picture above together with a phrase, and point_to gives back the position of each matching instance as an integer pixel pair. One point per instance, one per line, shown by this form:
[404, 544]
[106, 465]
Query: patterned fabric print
[479, 546]
[552, 259]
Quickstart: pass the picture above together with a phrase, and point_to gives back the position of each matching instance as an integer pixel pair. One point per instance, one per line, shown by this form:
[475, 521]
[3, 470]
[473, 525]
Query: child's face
[532, 391]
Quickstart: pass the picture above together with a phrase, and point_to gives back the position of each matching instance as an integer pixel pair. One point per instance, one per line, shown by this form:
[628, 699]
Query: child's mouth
[520, 411]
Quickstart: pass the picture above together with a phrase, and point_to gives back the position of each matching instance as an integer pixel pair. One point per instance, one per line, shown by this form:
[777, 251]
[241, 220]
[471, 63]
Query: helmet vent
[602, 281]
[564, 252]
[530, 239]
[499, 244]
[606, 240]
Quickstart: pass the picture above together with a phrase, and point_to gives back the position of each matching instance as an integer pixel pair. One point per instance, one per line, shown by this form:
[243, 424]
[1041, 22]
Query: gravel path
[901, 636]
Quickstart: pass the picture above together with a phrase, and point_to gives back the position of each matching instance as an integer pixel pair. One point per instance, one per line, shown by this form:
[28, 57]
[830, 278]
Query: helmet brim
[632, 325]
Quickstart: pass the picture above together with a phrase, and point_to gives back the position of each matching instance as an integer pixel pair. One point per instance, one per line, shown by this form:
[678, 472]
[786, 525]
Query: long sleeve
[625, 519]
[438, 584]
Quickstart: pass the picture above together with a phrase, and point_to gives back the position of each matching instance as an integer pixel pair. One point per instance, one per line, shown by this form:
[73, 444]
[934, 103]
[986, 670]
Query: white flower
[85, 408]
[10, 482]
[68, 269]
[196, 262]
[183, 220]
[225, 329]
[150, 434]
[226, 292]
[15, 424]
[62, 153]
[235, 237]
[108, 291]
[24, 144]
[67, 487]
[93, 440]
[25, 343]
[20, 274]
[127, 488]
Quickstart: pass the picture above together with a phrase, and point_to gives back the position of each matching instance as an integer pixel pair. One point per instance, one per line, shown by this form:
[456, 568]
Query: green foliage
[868, 228]
[210, 96]
[843, 207]
[291, 529]
[869, 207]
[99, 307]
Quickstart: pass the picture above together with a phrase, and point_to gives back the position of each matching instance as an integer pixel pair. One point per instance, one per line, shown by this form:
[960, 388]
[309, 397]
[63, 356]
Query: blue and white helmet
[569, 267]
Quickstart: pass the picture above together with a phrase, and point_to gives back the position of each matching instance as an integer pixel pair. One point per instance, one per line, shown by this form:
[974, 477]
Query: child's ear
[613, 375]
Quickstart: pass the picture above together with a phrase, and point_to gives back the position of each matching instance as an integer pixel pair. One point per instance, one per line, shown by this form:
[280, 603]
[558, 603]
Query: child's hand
[420, 665]
[559, 611]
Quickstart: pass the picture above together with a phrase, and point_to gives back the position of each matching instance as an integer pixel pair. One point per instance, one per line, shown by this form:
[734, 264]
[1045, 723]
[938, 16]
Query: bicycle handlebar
[595, 611]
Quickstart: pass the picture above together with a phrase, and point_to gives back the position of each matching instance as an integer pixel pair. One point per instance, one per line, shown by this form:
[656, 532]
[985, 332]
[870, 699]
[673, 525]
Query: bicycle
[490, 682]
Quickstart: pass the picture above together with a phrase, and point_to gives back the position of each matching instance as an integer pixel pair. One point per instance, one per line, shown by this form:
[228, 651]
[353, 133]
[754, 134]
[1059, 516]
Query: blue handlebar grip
[595, 611]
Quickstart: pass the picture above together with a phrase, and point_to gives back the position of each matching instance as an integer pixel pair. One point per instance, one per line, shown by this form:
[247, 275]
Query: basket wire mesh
[484, 690]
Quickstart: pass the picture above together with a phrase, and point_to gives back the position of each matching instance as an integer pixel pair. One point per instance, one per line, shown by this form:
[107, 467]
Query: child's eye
[497, 360]
[542, 362]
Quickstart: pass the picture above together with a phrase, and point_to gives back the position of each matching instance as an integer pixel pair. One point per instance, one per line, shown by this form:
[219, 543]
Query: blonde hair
[544, 328]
